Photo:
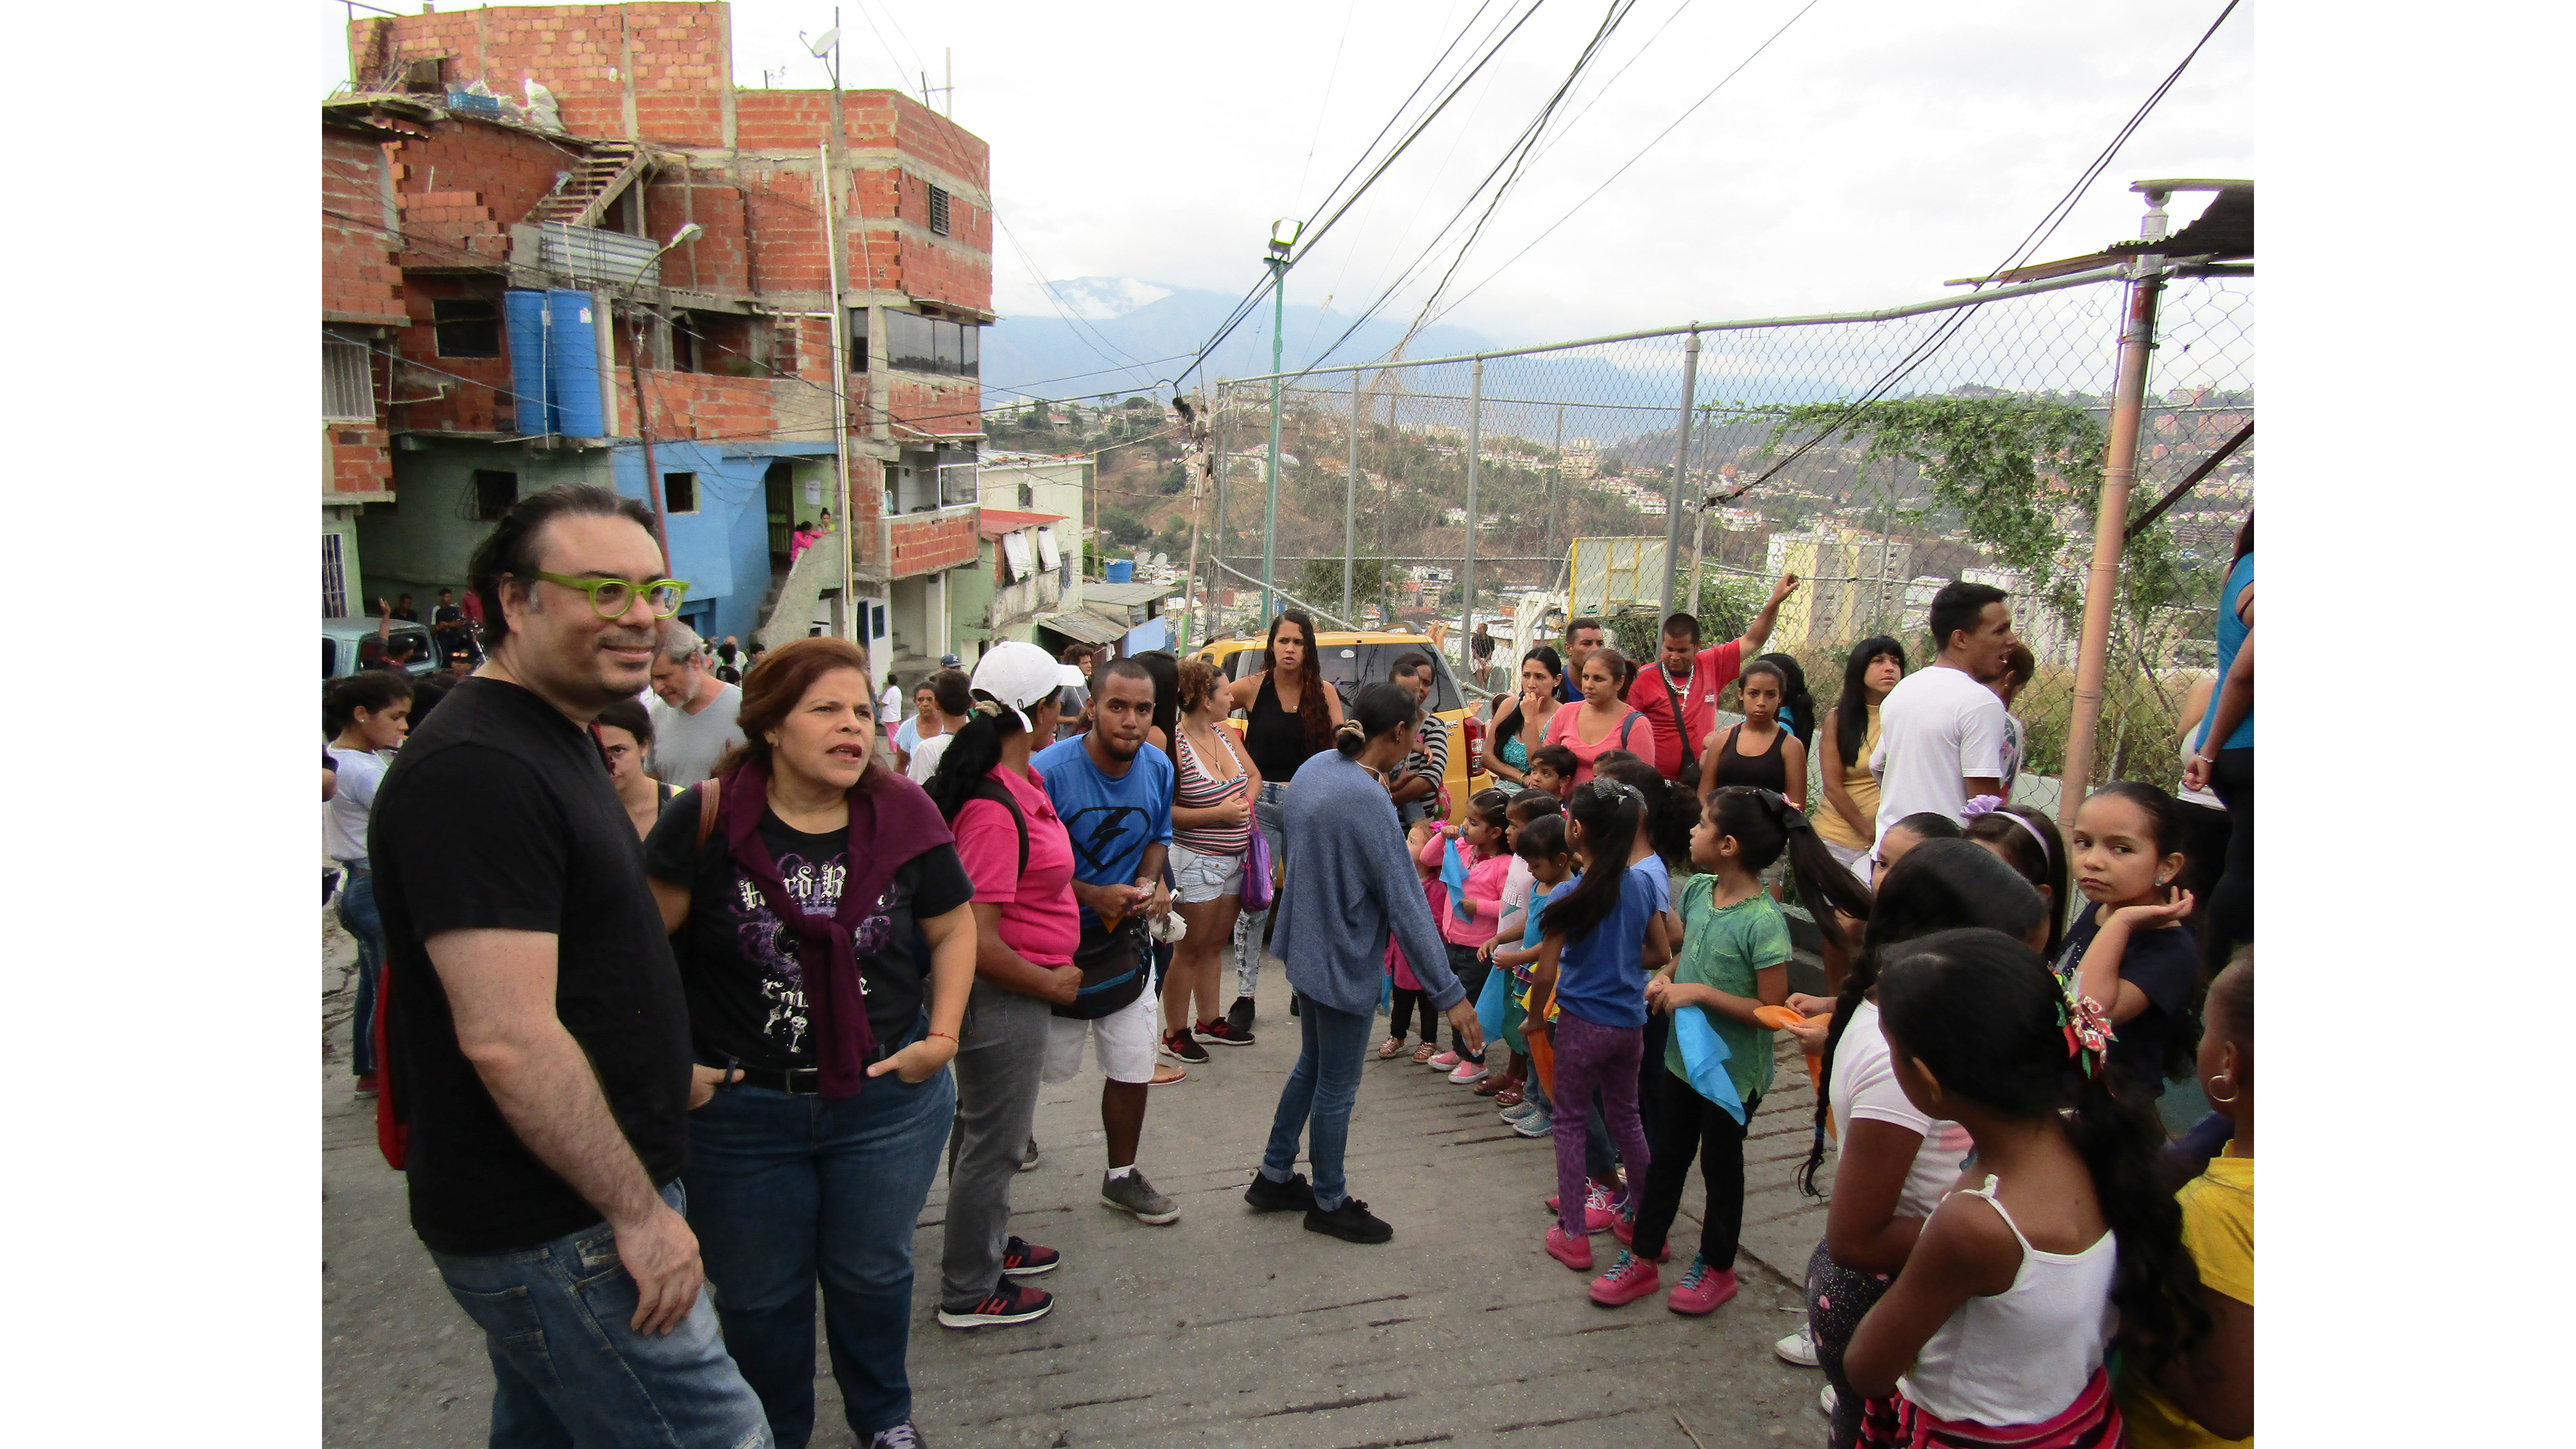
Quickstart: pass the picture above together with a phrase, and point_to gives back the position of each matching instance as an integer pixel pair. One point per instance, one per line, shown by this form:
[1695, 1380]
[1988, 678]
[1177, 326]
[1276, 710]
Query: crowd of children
[2006, 1257]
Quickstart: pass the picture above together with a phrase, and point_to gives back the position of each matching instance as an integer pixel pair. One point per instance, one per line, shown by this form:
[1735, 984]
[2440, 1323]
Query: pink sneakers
[1596, 1207]
[1443, 1062]
[1575, 1253]
[1624, 1228]
[1701, 1290]
[1469, 1070]
[1629, 1279]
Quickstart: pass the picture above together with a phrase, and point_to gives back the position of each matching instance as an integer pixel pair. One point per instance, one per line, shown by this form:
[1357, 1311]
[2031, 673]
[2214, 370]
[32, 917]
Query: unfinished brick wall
[465, 184]
[944, 406]
[928, 545]
[477, 389]
[361, 281]
[668, 61]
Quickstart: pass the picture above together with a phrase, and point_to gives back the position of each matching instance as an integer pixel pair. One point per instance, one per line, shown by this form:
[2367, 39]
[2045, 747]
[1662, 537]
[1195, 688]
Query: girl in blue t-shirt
[1601, 938]
[2130, 962]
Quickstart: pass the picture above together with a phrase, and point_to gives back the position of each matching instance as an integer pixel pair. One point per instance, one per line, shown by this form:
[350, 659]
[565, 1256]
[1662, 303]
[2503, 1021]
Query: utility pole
[1277, 260]
[841, 396]
[1351, 502]
[1556, 482]
[644, 433]
[1467, 591]
[1199, 439]
[1699, 527]
[2119, 473]
[1681, 460]
[1224, 471]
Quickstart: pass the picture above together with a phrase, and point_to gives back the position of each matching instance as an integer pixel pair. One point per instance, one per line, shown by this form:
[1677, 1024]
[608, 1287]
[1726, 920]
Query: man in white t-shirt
[695, 715]
[1942, 730]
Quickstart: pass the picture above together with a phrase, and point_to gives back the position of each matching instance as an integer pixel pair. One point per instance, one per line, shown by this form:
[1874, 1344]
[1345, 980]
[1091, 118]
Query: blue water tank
[572, 366]
[1122, 571]
[524, 313]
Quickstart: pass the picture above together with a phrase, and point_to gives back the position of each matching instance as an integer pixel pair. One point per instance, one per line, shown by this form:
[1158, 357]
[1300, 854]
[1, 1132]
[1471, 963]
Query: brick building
[499, 260]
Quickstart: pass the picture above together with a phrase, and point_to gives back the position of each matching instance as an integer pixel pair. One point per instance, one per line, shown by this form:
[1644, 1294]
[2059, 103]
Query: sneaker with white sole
[1133, 1194]
[1222, 1032]
[1024, 1259]
[1518, 1110]
[1443, 1062]
[1468, 1071]
[1180, 1046]
[1536, 1124]
[1008, 1303]
[1828, 1400]
[1798, 1348]
[901, 1436]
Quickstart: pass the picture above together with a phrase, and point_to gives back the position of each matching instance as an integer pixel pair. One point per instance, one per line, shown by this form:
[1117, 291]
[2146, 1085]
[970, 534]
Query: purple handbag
[1257, 894]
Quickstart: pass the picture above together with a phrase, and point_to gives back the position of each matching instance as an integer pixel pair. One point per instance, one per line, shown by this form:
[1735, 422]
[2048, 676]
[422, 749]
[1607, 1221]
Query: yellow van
[1349, 660]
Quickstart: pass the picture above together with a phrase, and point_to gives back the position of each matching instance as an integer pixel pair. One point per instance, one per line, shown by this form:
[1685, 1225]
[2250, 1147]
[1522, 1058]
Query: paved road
[1225, 1328]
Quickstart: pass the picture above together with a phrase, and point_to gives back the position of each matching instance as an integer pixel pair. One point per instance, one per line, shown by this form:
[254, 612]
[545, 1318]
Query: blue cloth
[789, 1191]
[1601, 977]
[567, 1367]
[357, 911]
[1705, 1055]
[2231, 636]
[1110, 819]
[1489, 1003]
[1332, 1046]
[1350, 883]
[1453, 875]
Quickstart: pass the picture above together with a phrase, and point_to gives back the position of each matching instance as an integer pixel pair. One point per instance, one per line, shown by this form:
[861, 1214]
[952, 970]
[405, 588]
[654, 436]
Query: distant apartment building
[644, 229]
[1854, 585]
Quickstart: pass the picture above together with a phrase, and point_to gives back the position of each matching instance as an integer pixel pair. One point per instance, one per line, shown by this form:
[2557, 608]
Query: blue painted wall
[722, 549]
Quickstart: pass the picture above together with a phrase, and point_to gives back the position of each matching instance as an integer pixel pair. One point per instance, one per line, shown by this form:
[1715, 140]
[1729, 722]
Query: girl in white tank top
[2013, 1293]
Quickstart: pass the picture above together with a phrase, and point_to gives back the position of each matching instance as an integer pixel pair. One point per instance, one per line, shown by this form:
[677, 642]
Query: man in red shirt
[1685, 673]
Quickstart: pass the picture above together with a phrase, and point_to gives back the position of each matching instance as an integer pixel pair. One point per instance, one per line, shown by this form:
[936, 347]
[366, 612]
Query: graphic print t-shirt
[1111, 821]
[739, 966]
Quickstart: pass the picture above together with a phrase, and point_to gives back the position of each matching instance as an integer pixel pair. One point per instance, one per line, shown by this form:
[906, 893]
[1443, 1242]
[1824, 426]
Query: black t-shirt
[499, 815]
[447, 618]
[746, 988]
[2163, 963]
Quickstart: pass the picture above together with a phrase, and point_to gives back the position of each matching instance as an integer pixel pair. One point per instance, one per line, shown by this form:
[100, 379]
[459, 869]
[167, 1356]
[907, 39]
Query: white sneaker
[1798, 1348]
[1470, 1070]
[1827, 1401]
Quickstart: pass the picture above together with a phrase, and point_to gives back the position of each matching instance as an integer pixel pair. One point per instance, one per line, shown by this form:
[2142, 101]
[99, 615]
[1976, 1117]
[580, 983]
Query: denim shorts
[1199, 877]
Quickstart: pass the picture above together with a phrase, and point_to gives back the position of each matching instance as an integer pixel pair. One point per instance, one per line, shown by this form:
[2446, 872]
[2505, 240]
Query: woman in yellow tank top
[1849, 821]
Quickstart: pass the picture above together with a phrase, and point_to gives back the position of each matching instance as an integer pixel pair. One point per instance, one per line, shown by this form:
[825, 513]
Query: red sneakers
[1009, 1302]
[1575, 1253]
[1702, 1289]
[1629, 1279]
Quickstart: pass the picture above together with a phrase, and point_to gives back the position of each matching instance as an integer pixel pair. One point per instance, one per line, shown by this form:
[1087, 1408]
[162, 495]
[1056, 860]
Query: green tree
[1123, 527]
[1319, 581]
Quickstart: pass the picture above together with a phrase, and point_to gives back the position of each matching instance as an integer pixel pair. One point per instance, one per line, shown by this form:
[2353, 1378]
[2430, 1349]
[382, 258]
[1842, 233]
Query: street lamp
[1283, 241]
[644, 420]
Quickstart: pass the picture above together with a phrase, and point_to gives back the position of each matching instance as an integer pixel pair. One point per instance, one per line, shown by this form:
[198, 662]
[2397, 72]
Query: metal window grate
[938, 211]
[335, 580]
[348, 383]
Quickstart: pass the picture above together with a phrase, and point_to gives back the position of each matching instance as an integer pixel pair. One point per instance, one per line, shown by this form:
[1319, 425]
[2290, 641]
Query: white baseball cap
[1018, 675]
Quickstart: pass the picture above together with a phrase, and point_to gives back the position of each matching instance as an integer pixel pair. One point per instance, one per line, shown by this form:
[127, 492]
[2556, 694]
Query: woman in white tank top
[2012, 1293]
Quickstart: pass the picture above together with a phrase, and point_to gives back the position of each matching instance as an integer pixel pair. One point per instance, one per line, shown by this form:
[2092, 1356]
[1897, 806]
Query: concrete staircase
[788, 611]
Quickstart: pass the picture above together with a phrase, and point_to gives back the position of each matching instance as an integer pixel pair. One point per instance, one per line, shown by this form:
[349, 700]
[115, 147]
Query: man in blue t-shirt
[1115, 797]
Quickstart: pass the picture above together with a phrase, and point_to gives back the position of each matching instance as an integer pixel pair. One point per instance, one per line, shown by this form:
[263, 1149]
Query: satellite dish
[822, 42]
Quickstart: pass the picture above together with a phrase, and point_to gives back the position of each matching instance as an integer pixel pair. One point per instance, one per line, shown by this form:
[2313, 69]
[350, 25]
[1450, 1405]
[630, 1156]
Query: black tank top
[1276, 737]
[1768, 770]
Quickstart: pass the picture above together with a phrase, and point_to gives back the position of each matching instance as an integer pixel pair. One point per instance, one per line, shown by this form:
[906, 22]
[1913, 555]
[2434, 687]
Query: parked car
[341, 638]
[1349, 660]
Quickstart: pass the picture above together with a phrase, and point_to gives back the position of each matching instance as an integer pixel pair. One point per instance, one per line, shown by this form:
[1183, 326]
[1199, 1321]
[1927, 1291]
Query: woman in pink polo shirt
[1015, 849]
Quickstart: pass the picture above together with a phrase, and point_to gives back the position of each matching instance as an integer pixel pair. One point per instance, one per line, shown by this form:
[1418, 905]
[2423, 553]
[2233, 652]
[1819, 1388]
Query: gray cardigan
[1349, 882]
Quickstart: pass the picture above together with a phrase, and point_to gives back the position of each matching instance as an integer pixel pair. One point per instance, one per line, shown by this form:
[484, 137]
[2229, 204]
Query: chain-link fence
[1877, 455]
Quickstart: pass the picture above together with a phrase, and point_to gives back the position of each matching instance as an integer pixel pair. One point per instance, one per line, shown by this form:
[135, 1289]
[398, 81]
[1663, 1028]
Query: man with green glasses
[695, 714]
[539, 1039]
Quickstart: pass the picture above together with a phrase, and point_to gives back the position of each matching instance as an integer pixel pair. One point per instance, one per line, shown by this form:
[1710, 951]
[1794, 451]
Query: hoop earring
[2231, 1093]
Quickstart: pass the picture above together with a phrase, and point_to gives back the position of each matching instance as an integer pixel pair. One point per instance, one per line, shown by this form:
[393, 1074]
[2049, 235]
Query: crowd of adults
[679, 967]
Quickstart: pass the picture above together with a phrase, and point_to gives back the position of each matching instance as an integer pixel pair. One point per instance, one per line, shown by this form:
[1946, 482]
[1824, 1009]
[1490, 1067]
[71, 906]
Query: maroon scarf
[897, 822]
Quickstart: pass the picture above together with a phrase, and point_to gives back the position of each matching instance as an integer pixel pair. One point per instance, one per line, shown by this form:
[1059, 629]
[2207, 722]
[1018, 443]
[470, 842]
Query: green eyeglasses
[613, 598]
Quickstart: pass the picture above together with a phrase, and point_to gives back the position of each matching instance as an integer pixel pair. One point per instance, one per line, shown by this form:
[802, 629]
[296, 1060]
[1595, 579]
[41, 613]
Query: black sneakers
[1240, 1016]
[1351, 1222]
[1222, 1032]
[1024, 1259]
[1180, 1046]
[1296, 1194]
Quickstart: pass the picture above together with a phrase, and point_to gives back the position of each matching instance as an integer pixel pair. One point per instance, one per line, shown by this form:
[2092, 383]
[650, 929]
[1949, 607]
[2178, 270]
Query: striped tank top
[1194, 788]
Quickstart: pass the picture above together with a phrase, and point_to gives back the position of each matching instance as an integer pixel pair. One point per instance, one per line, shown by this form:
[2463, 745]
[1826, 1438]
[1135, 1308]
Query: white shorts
[1198, 877]
[1124, 1042]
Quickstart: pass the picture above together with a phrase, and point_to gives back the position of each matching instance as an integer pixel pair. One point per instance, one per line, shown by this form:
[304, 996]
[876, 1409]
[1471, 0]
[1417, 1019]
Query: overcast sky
[1875, 150]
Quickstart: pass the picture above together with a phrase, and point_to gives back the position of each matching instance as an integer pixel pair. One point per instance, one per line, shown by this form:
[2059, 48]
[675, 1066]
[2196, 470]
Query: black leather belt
[803, 1082]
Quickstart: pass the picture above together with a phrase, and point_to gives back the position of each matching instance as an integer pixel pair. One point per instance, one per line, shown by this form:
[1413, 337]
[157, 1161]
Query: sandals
[1425, 1052]
[1509, 1096]
[1388, 1049]
[1494, 1085]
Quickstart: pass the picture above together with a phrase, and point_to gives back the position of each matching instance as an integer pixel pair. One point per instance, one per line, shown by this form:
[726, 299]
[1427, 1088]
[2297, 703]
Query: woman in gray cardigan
[1348, 883]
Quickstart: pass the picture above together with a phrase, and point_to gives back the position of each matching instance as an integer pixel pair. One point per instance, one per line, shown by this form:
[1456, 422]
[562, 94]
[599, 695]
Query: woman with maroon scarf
[822, 1092]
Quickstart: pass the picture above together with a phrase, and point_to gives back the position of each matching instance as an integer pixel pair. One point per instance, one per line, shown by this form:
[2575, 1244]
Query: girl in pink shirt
[1470, 914]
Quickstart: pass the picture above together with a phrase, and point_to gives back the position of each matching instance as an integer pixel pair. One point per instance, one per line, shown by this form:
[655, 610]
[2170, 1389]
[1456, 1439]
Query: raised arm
[1758, 633]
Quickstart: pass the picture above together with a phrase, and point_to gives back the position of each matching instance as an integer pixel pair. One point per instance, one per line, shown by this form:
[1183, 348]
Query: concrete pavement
[1225, 1328]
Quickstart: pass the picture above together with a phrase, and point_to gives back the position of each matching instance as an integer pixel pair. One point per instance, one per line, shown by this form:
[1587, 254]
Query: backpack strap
[707, 810]
[1626, 725]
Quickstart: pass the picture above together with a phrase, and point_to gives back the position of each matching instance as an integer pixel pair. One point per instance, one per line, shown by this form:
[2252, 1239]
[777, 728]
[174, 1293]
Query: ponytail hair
[1766, 825]
[976, 748]
[1491, 807]
[1671, 807]
[1981, 1012]
[1379, 708]
[1610, 813]
[1940, 885]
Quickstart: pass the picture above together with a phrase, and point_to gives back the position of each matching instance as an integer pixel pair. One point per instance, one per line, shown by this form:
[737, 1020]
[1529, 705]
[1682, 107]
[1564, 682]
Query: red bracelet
[939, 1033]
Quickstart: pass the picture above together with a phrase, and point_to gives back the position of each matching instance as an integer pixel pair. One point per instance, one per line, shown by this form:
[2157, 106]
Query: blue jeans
[357, 910]
[1332, 1046]
[568, 1370]
[791, 1190]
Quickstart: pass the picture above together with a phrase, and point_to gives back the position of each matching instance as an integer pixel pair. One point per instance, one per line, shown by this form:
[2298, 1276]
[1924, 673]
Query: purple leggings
[1604, 1059]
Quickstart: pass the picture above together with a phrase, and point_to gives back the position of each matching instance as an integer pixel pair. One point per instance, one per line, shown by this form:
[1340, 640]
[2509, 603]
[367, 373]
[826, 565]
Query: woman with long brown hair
[1290, 714]
[797, 878]
[1211, 832]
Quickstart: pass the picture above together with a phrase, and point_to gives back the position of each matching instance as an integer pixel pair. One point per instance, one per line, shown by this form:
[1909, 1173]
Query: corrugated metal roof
[1084, 625]
[1094, 591]
[998, 521]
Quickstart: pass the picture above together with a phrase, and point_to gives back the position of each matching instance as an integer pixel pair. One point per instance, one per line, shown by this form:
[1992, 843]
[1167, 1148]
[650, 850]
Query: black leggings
[1837, 1300]
[1406, 1003]
[1471, 972]
[1690, 1123]
[2231, 901]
